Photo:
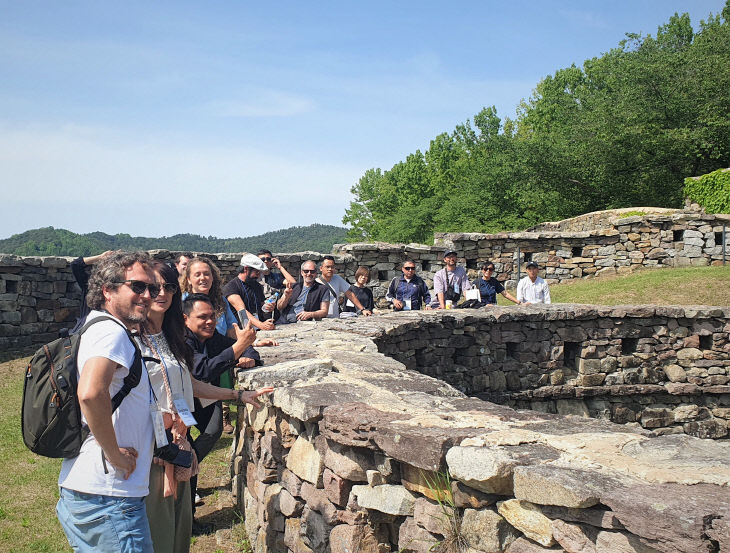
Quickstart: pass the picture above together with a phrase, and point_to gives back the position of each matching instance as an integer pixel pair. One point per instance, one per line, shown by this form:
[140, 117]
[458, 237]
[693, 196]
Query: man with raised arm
[101, 505]
[245, 292]
[213, 355]
[307, 300]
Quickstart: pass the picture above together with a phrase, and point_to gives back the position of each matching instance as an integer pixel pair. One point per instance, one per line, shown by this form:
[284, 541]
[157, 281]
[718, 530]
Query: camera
[173, 454]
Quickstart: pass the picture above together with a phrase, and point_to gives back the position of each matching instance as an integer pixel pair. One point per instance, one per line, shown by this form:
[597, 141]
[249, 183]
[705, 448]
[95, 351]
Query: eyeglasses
[265, 259]
[409, 268]
[139, 287]
[169, 287]
[309, 271]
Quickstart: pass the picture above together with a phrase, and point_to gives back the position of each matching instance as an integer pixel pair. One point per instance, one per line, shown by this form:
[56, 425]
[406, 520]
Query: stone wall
[601, 219]
[356, 453]
[664, 368]
[38, 295]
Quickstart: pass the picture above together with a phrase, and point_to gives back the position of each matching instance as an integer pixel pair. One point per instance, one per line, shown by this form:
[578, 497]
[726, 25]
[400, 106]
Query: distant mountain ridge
[52, 241]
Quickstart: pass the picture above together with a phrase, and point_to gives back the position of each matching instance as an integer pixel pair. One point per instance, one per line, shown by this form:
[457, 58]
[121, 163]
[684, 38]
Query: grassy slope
[689, 286]
[28, 489]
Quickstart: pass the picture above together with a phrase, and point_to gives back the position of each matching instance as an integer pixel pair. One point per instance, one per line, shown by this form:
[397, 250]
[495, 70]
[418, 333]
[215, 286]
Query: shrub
[711, 191]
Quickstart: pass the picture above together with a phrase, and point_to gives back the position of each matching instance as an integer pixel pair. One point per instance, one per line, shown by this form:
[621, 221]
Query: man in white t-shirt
[101, 505]
[532, 289]
[338, 286]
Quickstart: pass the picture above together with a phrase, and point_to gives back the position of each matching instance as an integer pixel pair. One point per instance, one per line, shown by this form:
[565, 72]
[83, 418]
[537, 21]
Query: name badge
[159, 425]
[181, 406]
[407, 304]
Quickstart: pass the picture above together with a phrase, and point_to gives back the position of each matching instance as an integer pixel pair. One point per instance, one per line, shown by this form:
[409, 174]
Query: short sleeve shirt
[489, 290]
[131, 421]
[340, 286]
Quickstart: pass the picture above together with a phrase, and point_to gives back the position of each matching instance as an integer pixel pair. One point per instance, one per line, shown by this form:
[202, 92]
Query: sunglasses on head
[139, 287]
[309, 271]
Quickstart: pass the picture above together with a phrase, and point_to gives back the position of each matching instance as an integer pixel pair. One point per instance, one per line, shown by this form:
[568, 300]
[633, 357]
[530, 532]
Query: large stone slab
[551, 485]
[671, 517]
[305, 461]
[490, 469]
[528, 519]
[485, 530]
[348, 462]
[388, 498]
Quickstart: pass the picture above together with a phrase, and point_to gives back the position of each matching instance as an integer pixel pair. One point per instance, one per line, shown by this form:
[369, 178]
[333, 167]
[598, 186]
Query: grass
[685, 286]
[29, 490]
[28, 483]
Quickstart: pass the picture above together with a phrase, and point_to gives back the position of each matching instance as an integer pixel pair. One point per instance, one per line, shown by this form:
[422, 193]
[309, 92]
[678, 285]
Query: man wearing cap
[451, 281]
[245, 292]
[532, 289]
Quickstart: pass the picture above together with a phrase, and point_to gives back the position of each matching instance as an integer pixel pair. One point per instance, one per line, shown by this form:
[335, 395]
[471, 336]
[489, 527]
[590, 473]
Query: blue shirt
[415, 290]
[489, 290]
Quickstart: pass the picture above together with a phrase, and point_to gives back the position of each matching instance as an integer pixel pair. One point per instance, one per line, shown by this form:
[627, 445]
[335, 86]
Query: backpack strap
[135, 371]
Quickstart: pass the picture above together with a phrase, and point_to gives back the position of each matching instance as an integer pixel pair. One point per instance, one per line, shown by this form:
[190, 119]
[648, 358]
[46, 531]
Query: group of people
[410, 292]
[133, 485]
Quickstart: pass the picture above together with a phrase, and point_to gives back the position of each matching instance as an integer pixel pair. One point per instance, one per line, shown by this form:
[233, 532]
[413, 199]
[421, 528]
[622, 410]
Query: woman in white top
[169, 508]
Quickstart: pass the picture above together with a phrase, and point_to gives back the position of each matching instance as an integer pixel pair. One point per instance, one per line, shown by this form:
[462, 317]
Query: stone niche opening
[666, 369]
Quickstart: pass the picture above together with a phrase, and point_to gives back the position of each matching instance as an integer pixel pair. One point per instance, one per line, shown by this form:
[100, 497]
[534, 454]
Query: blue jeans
[103, 523]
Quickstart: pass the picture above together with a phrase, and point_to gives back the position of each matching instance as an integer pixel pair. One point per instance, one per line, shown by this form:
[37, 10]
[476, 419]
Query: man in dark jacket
[306, 301]
[213, 354]
[408, 291]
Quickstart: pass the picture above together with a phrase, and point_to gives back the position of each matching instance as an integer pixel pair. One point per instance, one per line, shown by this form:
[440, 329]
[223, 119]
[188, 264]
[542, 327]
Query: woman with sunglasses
[489, 286]
[167, 359]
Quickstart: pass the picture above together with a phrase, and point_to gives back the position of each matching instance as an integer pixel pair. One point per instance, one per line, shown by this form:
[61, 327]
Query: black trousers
[210, 425]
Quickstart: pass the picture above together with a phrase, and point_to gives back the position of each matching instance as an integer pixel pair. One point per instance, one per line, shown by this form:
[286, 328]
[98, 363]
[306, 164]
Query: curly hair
[109, 272]
[215, 294]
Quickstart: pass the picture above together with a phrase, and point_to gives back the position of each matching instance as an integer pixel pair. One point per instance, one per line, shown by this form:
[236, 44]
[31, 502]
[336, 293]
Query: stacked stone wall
[664, 368]
[38, 295]
[600, 219]
[356, 453]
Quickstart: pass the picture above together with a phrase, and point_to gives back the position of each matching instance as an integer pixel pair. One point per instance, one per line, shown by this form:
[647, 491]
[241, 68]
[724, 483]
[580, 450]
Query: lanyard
[158, 351]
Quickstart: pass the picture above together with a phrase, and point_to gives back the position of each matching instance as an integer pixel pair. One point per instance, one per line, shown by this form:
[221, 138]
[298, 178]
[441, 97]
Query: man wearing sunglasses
[408, 292]
[489, 286]
[307, 300]
[101, 505]
[271, 280]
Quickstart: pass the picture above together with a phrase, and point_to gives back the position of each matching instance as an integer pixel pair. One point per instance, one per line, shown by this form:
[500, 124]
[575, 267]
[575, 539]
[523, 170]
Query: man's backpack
[51, 416]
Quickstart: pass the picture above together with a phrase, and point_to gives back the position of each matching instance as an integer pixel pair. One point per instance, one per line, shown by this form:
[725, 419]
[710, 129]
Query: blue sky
[234, 118]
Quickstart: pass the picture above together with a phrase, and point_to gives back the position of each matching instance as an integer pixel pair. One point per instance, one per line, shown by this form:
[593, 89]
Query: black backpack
[51, 416]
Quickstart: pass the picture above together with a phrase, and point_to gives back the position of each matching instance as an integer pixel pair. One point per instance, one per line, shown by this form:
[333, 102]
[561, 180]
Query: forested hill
[51, 241]
[624, 129]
